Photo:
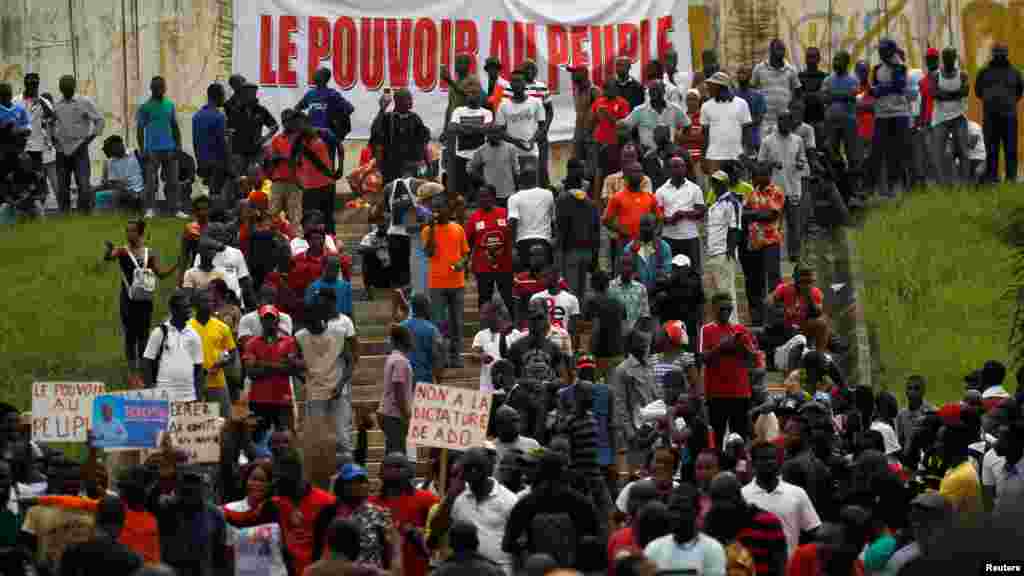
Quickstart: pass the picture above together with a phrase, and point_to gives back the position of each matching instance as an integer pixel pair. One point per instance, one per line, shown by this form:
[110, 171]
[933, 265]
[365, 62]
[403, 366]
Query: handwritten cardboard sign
[195, 428]
[447, 417]
[62, 411]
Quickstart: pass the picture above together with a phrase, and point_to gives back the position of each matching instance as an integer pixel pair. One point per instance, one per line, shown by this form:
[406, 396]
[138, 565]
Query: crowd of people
[631, 429]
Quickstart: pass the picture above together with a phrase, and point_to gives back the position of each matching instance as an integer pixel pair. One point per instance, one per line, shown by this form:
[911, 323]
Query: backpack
[554, 535]
[143, 283]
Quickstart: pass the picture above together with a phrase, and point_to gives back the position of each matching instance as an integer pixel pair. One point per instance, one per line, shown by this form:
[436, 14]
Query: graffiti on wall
[973, 27]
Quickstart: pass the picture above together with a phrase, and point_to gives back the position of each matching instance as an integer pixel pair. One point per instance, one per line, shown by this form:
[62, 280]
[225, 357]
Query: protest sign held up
[447, 417]
[195, 428]
[62, 411]
[120, 422]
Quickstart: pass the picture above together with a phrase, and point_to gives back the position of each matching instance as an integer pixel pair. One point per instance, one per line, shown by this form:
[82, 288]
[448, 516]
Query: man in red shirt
[308, 266]
[269, 359]
[727, 350]
[409, 508]
[491, 251]
[803, 311]
[285, 195]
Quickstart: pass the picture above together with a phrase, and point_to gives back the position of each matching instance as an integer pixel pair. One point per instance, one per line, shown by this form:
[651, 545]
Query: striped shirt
[777, 85]
[765, 540]
[583, 434]
[661, 368]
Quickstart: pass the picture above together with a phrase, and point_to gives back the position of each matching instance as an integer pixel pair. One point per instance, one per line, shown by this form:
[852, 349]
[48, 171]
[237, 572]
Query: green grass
[936, 269]
[62, 317]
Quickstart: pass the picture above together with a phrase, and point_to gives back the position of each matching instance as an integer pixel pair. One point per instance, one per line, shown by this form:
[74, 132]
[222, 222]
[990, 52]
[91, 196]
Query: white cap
[681, 260]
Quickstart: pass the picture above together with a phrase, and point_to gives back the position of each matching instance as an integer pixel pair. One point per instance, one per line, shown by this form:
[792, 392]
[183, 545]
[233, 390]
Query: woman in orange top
[311, 161]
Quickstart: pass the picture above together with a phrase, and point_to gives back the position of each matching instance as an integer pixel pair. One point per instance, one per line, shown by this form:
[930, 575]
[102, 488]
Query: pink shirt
[397, 382]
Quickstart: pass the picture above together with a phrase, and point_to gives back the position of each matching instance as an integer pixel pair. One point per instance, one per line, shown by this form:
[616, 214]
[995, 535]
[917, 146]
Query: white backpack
[143, 280]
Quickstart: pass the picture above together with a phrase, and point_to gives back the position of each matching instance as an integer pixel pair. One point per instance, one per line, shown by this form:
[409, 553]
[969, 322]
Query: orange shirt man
[626, 207]
[445, 244]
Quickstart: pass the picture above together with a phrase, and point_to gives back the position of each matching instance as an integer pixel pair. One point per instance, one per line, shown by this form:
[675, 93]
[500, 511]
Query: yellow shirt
[217, 340]
[962, 489]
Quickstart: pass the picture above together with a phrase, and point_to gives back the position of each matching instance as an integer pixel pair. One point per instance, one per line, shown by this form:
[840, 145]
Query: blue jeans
[76, 163]
[448, 304]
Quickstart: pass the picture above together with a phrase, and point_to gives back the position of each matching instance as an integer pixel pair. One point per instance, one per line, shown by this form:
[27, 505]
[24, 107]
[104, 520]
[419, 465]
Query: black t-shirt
[527, 358]
[608, 315]
[403, 137]
[814, 105]
[569, 502]
[248, 123]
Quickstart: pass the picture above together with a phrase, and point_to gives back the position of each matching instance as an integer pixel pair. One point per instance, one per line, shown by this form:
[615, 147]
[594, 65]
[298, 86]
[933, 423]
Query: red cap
[676, 331]
[932, 52]
[269, 309]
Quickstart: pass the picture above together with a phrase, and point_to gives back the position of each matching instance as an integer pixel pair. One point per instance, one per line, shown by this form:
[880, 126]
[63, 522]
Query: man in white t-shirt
[468, 123]
[205, 270]
[523, 118]
[236, 272]
[787, 501]
[723, 117]
[343, 329]
[682, 203]
[563, 307]
[486, 347]
[173, 359]
[531, 214]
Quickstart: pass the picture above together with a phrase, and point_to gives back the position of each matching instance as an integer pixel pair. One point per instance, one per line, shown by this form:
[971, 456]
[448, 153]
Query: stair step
[371, 346]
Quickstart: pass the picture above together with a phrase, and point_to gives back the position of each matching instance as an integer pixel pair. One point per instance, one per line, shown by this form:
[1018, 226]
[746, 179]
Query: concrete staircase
[373, 317]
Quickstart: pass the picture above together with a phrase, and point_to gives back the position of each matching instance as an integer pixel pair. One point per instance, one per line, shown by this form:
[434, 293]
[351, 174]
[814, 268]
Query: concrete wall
[115, 46]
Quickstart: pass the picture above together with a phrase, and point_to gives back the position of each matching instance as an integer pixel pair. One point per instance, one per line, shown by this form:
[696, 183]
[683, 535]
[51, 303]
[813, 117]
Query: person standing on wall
[398, 138]
[892, 119]
[524, 119]
[812, 79]
[780, 83]
[40, 141]
[1000, 86]
[950, 87]
[539, 90]
[209, 140]
[160, 140]
[584, 95]
[77, 123]
[246, 120]
[330, 113]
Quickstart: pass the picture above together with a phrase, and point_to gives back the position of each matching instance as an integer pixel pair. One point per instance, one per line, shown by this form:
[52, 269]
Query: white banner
[372, 44]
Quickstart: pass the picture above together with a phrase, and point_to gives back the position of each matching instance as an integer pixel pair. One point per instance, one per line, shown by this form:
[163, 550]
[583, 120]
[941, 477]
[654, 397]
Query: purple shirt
[397, 382]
